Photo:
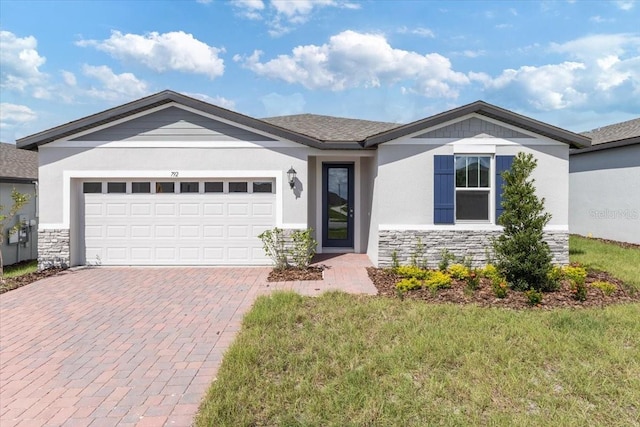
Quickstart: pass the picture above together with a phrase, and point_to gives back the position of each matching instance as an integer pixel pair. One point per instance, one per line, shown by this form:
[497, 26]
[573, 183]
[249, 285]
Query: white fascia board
[175, 144]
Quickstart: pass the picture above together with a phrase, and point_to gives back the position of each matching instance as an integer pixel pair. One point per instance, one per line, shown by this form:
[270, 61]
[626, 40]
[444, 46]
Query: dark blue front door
[337, 205]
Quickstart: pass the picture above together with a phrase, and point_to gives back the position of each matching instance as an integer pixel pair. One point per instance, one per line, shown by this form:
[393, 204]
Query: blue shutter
[443, 190]
[503, 163]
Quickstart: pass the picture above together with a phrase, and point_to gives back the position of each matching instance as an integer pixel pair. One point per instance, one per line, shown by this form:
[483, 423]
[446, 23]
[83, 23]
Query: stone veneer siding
[53, 248]
[459, 242]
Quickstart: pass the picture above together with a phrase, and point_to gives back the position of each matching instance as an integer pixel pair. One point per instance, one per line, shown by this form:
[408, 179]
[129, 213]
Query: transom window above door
[473, 188]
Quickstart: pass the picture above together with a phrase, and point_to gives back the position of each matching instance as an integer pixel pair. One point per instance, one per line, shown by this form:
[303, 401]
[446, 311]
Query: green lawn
[342, 360]
[624, 263]
[21, 269]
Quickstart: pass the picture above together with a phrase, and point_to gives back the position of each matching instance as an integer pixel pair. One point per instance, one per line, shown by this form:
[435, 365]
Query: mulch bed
[293, 274]
[17, 282]
[385, 281]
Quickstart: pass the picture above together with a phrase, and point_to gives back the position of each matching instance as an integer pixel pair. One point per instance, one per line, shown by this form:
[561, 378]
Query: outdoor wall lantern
[291, 176]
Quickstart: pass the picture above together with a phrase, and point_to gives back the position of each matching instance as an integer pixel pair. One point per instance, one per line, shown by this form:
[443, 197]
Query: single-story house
[172, 180]
[19, 170]
[604, 184]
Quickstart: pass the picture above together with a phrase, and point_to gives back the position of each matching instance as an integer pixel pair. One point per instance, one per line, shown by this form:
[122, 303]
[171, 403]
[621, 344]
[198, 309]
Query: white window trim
[491, 189]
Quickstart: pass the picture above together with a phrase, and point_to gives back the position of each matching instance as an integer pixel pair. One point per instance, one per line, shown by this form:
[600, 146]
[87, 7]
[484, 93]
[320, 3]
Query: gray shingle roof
[328, 128]
[17, 164]
[615, 132]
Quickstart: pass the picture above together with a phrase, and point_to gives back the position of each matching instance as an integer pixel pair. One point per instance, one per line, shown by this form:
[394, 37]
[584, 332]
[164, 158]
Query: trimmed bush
[458, 271]
[438, 280]
[411, 271]
[409, 284]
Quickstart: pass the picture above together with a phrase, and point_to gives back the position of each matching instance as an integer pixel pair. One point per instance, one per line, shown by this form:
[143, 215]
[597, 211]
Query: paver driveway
[130, 346]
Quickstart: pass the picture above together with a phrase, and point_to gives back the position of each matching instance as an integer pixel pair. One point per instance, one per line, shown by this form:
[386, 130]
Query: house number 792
[174, 174]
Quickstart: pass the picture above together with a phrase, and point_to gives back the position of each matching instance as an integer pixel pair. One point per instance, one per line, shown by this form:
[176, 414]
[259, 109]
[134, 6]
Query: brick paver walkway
[131, 346]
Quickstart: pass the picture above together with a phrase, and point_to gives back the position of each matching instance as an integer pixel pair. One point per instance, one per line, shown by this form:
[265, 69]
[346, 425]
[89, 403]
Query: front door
[337, 205]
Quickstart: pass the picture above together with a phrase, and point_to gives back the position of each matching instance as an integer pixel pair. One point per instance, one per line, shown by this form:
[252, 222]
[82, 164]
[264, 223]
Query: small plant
[500, 287]
[533, 297]
[467, 261]
[303, 248]
[394, 259]
[490, 271]
[473, 280]
[408, 284]
[273, 243]
[445, 259]
[458, 271]
[417, 256]
[554, 276]
[438, 280]
[579, 291]
[607, 288]
[412, 271]
[575, 274]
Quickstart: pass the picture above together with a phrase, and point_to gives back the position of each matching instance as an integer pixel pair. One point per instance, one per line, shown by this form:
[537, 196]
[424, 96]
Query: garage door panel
[177, 229]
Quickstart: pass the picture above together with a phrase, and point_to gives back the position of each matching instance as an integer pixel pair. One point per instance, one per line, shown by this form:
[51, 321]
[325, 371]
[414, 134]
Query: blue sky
[573, 64]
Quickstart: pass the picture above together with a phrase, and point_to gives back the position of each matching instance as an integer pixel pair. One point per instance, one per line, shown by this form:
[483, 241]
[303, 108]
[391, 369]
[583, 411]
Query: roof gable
[471, 128]
[170, 124]
[484, 109]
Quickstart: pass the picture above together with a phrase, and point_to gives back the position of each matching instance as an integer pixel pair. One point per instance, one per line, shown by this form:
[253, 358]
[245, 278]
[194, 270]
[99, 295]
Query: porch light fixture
[291, 177]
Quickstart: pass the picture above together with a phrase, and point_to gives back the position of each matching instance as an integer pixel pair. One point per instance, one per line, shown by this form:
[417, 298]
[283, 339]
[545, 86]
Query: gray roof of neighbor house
[317, 131]
[17, 165]
[328, 128]
[614, 132]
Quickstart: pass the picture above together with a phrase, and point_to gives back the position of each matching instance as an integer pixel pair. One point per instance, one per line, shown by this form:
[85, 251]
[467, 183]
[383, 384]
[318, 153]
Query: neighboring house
[19, 170]
[172, 180]
[604, 184]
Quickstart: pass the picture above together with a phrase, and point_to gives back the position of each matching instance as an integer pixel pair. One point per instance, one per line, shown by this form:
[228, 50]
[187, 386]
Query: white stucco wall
[12, 253]
[604, 194]
[405, 177]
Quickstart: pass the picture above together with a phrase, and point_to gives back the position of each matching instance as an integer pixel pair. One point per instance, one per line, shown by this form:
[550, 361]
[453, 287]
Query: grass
[624, 263]
[343, 360]
[20, 269]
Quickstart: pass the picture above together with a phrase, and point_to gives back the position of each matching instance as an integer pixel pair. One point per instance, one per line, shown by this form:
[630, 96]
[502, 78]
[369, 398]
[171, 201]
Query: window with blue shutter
[443, 190]
[503, 163]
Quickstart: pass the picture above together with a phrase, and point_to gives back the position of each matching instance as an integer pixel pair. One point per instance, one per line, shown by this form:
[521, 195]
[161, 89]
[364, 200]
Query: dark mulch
[624, 245]
[385, 281]
[17, 282]
[293, 274]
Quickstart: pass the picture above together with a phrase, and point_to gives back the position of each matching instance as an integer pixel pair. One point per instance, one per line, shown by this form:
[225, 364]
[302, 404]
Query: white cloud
[14, 114]
[352, 59]
[20, 64]
[625, 4]
[600, 20]
[420, 31]
[282, 16]
[69, 78]
[114, 87]
[594, 46]
[176, 51]
[215, 100]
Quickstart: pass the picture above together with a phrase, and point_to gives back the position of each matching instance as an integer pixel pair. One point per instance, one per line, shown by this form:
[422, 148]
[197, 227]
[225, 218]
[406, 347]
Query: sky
[572, 64]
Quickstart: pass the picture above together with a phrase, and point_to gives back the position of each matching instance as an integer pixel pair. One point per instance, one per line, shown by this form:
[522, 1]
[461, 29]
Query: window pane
[116, 187]
[189, 187]
[461, 171]
[262, 187]
[213, 187]
[165, 187]
[485, 163]
[237, 187]
[141, 187]
[472, 205]
[92, 187]
[473, 172]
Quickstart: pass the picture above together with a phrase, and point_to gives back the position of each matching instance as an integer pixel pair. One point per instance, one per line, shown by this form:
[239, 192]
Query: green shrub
[303, 248]
[607, 288]
[521, 252]
[445, 259]
[418, 258]
[411, 271]
[458, 271]
[554, 276]
[409, 284]
[579, 291]
[533, 297]
[394, 259]
[490, 271]
[273, 243]
[575, 274]
[438, 280]
[499, 286]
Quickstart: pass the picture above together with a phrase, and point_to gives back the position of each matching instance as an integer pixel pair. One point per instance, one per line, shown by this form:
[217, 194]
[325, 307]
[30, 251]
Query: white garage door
[177, 229]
